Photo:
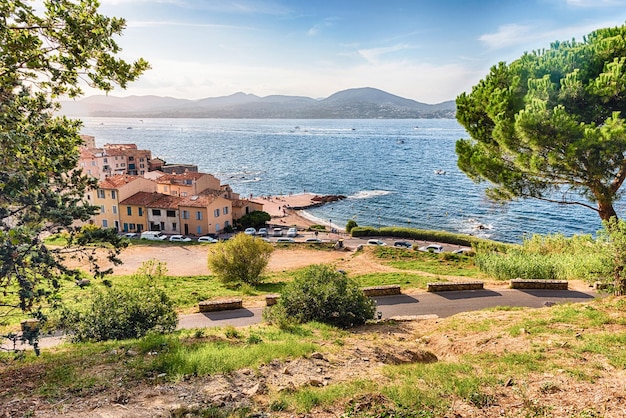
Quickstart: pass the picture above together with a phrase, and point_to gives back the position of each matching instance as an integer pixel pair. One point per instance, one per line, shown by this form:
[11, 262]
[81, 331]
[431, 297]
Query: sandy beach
[280, 208]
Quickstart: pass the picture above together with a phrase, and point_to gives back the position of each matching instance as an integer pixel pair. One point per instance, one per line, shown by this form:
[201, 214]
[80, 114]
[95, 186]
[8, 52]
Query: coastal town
[138, 193]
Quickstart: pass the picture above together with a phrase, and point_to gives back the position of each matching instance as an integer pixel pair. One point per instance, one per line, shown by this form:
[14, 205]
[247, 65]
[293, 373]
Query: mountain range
[358, 103]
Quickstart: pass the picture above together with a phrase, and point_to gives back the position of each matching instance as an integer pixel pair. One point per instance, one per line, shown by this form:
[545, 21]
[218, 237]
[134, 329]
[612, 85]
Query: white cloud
[506, 35]
[372, 55]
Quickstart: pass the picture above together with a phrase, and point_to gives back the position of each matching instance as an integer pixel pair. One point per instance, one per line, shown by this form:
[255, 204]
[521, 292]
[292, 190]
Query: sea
[393, 172]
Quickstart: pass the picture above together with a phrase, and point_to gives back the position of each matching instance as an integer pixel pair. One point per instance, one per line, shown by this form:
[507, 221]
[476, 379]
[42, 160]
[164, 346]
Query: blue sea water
[386, 168]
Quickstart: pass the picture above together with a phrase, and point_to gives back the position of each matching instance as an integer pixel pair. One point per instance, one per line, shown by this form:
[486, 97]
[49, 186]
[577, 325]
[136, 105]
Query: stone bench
[390, 289]
[539, 284]
[220, 305]
[447, 286]
[271, 300]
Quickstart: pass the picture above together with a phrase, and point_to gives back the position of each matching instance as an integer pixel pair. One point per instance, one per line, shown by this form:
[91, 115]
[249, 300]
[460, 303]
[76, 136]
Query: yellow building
[186, 184]
[111, 192]
[205, 213]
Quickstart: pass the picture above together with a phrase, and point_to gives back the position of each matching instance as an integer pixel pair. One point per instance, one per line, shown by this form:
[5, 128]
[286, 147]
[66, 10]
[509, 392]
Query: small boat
[439, 172]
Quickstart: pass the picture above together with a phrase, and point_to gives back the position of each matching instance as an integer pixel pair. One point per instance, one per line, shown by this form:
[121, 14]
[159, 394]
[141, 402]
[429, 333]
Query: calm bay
[394, 172]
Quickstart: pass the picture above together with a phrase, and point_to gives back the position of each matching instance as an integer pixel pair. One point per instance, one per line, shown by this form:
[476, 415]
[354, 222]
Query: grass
[507, 360]
[405, 280]
[443, 264]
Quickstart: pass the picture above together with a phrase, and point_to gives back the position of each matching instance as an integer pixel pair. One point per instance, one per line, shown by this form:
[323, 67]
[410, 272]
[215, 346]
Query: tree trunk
[606, 210]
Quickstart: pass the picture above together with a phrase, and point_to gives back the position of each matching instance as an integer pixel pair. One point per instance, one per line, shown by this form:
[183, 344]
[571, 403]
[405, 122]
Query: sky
[429, 51]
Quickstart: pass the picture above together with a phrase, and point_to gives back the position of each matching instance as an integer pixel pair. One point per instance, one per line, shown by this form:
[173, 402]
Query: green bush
[427, 235]
[255, 219]
[350, 225]
[115, 314]
[324, 295]
[241, 259]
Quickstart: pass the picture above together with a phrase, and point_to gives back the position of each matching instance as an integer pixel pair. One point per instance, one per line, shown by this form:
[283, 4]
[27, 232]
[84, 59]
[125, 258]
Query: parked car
[292, 233]
[153, 235]
[375, 242]
[179, 238]
[403, 244]
[262, 232]
[432, 248]
[208, 239]
[277, 232]
[250, 231]
[131, 235]
[283, 240]
[461, 251]
[313, 240]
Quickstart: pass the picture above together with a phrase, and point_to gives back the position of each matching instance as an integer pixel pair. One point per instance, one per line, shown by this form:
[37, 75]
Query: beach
[289, 210]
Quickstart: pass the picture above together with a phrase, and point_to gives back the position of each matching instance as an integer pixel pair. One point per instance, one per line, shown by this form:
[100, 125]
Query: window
[184, 194]
[162, 226]
[102, 209]
[198, 216]
[199, 230]
[225, 210]
[100, 194]
[216, 213]
[129, 211]
[113, 194]
[140, 211]
[105, 223]
[114, 210]
[156, 212]
[105, 160]
[171, 213]
[226, 224]
[132, 227]
[174, 225]
[185, 214]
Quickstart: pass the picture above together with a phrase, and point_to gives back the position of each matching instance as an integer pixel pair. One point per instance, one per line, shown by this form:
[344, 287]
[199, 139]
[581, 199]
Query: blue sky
[429, 51]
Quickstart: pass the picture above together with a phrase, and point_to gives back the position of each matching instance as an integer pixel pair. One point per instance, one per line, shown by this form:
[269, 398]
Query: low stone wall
[271, 300]
[390, 289]
[538, 284]
[220, 305]
[447, 286]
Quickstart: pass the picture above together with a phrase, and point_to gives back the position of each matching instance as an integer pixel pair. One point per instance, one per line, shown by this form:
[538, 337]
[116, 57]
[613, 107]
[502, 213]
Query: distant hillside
[360, 103]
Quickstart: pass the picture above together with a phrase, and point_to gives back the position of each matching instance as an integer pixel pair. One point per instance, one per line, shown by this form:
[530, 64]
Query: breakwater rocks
[318, 200]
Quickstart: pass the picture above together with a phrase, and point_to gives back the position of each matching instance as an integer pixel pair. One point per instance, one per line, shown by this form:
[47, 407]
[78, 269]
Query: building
[186, 184]
[111, 191]
[205, 213]
[113, 159]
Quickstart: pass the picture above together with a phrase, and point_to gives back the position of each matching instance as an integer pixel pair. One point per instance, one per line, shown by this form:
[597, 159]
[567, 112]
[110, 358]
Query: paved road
[440, 304]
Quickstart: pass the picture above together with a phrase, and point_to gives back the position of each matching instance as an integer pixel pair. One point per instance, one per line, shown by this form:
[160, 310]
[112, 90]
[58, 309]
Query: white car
[250, 231]
[313, 240]
[262, 232]
[131, 235]
[277, 232]
[375, 242]
[284, 240]
[179, 238]
[292, 232]
[208, 239]
[153, 235]
[432, 248]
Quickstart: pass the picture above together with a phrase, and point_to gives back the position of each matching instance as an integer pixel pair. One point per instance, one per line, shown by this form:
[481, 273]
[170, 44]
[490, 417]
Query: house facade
[111, 192]
[205, 214]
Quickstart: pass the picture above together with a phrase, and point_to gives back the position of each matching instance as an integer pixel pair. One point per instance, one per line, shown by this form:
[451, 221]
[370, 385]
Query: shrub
[115, 314]
[241, 259]
[255, 219]
[324, 295]
[350, 225]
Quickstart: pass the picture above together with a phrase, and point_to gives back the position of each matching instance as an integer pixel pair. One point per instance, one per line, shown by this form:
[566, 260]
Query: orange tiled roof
[115, 182]
[141, 199]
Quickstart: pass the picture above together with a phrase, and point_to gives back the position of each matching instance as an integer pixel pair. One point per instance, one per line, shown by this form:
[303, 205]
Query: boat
[440, 172]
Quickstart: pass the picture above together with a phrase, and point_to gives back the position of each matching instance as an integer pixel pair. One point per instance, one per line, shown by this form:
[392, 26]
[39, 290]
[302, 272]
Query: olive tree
[241, 259]
[49, 50]
[550, 125]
